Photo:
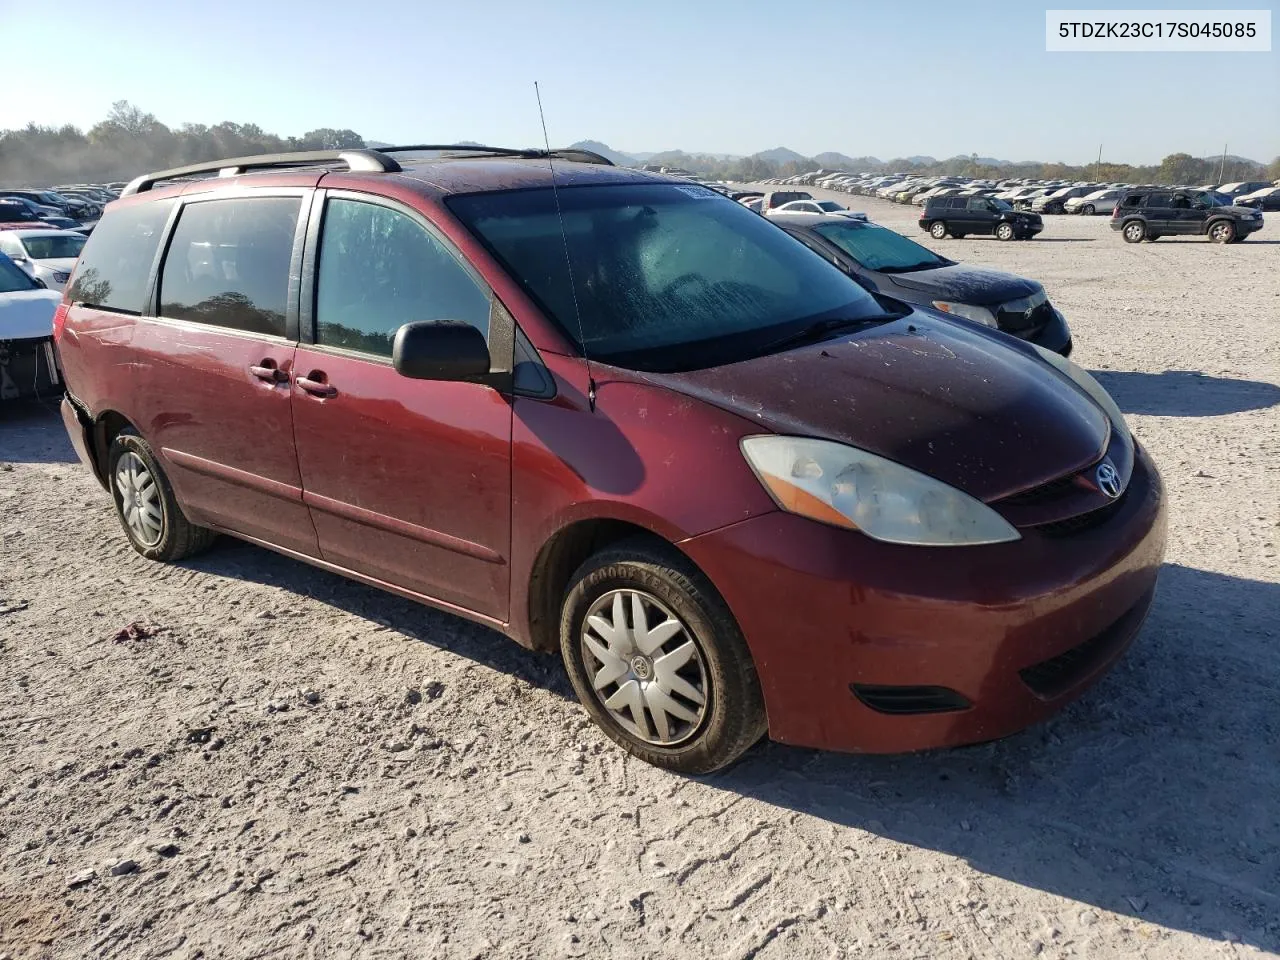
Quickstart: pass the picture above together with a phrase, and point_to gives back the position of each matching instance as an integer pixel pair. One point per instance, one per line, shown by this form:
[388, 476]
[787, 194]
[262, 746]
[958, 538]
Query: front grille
[1045, 493]
[1085, 521]
[1009, 318]
[1055, 676]
[904, 700]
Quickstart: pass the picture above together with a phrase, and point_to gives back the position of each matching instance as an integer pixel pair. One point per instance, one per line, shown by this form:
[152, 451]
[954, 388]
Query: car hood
[57, 264]
[27, 314]
[957, 404]
[965, 284]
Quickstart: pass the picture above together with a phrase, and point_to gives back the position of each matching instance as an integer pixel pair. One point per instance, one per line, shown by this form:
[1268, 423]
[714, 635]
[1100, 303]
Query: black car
[1150, 214]
[1268, 198]
[959, 216]
[889, 264]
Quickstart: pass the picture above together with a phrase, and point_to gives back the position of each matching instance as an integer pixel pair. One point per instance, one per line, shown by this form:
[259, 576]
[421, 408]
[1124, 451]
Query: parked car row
[76, 207]
[1013, 209]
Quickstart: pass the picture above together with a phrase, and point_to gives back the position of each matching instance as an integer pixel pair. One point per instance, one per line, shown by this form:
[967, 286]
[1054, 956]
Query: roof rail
[364, 160]
[569, 153]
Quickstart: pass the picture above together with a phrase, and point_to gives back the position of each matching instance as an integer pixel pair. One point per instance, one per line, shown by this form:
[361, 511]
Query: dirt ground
[275, 762]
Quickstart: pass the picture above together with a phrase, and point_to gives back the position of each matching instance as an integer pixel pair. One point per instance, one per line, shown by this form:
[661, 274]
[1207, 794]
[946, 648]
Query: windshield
[664, 277]
[11, 278]
[878, 248]
[1212, 199]
[55, 247]
[1000, 204]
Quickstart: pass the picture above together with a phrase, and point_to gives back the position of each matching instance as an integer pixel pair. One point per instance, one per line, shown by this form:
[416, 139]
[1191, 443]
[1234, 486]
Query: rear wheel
[1134, 231]
[938, 230]
[1004, 231]
[658, 661]
[1087, 210]
[1222, 231]
[148, 511]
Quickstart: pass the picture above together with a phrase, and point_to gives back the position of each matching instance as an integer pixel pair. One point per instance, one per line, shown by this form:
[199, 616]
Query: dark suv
[987, 216]
[620, 416]
[1150, 214]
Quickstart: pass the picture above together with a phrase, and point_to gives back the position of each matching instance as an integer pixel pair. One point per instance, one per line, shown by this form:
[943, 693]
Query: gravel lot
[243, 757]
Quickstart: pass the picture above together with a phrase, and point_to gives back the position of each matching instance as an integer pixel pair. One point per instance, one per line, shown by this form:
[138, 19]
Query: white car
[47, 255]
[818, 207]
[28, 366]
[1100, 201]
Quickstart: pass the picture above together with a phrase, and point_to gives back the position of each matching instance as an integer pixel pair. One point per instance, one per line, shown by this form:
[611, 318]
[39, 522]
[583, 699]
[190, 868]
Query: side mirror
[440, 350]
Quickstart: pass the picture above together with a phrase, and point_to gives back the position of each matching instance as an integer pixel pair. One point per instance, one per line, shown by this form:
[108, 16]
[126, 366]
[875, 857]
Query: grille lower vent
[1055, 676]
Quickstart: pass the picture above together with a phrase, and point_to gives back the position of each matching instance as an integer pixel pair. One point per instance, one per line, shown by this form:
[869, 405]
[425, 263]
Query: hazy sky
[859, 77]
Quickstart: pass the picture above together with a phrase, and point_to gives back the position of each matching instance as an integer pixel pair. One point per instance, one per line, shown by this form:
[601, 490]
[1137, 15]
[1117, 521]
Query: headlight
[967, 310]
[848, 487]
[1081, 378]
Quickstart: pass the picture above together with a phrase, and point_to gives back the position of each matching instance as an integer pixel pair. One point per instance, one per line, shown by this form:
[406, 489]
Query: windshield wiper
[923, 265]
[819, 329]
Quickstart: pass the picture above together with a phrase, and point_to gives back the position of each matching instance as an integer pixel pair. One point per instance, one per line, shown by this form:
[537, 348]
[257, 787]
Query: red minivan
[617, 414]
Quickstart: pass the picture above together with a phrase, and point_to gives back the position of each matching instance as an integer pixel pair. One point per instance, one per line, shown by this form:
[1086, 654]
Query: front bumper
[1016, 630]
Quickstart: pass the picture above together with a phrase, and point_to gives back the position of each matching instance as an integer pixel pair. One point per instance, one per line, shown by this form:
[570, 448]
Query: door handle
[268, 371]
[316, 384]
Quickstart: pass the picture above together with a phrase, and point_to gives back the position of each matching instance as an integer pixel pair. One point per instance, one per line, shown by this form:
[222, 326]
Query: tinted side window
[379, 269]
[1132, 200]
[956, 203]
[228, 263]
[978, 203]
[115, 264]
[1159, 199]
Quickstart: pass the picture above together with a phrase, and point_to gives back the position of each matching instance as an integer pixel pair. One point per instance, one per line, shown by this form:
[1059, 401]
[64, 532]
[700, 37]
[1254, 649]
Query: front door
[980, 217]
[215, 364]
[408, 481]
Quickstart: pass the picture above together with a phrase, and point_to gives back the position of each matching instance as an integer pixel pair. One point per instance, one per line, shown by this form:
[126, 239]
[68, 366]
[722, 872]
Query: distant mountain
[841, 162]
[377, 144]
[780, 155]
[617, 156]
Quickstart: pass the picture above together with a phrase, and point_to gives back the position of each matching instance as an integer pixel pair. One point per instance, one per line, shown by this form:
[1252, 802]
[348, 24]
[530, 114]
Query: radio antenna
[564, 238]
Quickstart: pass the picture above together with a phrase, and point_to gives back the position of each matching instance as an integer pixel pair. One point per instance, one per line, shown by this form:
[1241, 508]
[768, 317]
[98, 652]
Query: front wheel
[1087, 210]
[658, 661]
[1224, 231]
[1134, 232]
[938, 230]
[1004, 231]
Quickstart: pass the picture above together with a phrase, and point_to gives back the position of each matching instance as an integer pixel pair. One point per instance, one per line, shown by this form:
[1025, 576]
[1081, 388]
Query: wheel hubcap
[139, 499]
[645, 667]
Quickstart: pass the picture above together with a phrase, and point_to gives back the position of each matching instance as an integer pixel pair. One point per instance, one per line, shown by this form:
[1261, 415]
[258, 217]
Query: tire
[1152, 237]
[155, 524]
[938, 230]
[1222, 231]
[1087, 210]
[1134, 231]
[959, 236]
[1004, 232]
[717, 667]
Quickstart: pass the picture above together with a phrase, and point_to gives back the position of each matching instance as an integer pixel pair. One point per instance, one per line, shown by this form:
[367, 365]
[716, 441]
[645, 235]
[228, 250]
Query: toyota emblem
[1108, 478]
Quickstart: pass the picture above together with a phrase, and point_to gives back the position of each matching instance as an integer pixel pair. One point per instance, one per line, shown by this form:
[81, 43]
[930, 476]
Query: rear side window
[379, 269]
[1132, 200]
[228, 263]
[1159, 199]
[115, 264]
[956, 203]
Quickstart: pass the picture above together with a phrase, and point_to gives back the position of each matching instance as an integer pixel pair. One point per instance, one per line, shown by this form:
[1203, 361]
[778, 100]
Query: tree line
[130, 142]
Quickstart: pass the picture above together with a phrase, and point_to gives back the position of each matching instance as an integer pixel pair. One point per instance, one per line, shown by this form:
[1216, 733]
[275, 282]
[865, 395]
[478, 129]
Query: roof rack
[471, 149]
[365, 160]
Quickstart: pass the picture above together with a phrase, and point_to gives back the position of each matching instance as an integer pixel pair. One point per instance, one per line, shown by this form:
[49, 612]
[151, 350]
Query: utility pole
[1222, 169]
[1097, 166]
